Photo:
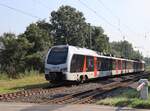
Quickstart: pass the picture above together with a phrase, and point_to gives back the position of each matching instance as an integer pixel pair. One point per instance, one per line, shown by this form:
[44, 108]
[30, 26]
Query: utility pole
[123, 47]
[90, 36]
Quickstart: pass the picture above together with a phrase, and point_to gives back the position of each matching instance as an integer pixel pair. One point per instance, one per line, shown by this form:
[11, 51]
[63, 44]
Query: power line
[61, 1]
[109, 10]
[41, 3]
[20, 11]
[115, 16]
[101, 17]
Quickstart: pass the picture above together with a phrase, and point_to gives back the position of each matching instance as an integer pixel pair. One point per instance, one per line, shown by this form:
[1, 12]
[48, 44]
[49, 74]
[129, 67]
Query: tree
[25, 51]
[39, 35]
[68, 26]
[100, 41]
[125, 49]
[12, 57]
[137, 55]
[147, 61]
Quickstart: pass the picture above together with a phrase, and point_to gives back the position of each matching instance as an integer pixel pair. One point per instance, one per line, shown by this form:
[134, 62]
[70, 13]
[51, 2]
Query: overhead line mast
[118, 18]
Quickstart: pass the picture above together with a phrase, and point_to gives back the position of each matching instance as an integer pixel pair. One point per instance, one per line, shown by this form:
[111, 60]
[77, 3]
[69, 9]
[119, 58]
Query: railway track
[89, 96]
[84, 93]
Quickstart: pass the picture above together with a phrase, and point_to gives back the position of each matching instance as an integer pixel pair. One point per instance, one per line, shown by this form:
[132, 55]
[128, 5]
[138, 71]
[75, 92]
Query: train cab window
[77, 63]
[57, 55]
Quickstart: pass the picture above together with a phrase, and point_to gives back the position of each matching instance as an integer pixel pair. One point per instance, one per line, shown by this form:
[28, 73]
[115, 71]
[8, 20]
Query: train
[72, 63]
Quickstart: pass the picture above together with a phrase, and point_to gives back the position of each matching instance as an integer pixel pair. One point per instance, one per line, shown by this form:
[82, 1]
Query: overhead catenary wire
[98, 15]
[20, 11]
[42, 4]
[108, 9]
[115, 16]
[118, 18]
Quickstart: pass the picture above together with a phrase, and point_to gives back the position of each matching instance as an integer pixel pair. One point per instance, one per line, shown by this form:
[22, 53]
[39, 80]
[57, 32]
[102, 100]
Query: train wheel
[81, 79]
[86, 78]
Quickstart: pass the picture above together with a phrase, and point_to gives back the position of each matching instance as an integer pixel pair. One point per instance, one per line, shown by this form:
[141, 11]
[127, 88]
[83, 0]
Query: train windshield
[57, 55]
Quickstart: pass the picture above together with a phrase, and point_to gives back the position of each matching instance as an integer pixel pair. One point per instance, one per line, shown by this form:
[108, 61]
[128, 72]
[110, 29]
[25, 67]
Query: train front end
[56, 64]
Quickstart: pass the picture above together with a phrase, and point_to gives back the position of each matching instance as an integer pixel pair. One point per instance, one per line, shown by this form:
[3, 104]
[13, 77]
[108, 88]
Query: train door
[98, 67]
[95, 66]
[125, 66]
[119, 66]
[116, 66]
[113, 67]
[90, 66]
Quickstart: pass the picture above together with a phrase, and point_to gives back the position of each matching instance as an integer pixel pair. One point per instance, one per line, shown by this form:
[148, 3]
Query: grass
[32, 79]
[126, 97]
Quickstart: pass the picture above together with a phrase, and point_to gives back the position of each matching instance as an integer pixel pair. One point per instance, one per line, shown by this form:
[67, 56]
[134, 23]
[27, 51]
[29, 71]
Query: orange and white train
[65, 62]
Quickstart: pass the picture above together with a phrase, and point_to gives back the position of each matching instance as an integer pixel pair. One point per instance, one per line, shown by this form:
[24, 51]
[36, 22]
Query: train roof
[89, 52]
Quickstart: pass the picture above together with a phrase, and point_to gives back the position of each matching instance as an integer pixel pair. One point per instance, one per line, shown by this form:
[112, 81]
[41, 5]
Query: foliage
[125, 49]
[39, 35]
[69, 26]
[126, 97]
[100, 41]
[147, 68]
[26, 51]
[12, 57]
[147, 61]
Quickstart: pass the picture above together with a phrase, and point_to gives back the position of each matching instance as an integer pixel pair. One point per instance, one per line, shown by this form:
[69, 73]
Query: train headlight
[64, 69]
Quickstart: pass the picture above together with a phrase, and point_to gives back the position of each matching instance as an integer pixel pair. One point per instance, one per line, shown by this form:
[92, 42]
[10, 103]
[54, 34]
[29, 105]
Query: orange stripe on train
[84, 66]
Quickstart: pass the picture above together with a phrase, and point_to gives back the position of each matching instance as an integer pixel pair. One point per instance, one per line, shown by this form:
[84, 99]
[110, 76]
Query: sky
[121, 19]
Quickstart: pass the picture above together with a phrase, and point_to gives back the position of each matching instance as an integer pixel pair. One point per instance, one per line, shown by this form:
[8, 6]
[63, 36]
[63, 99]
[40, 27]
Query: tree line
[67, 25]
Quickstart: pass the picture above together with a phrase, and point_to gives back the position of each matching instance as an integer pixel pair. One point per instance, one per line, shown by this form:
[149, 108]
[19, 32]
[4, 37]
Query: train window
[119, 64]
[90, 63]
[123, 64]
[131, 65]
[103, 66]
[98, 64]
[134, 65]
[106, 64]
[114, 64]
[110, 64]
[77, 63]
[127, 64]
